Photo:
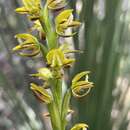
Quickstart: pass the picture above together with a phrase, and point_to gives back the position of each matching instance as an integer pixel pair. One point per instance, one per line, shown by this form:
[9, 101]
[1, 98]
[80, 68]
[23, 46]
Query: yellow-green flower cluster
[81, 87]
[28, 45]
[64, 21]
[31, 8]
[41, 93]
[56, 56]
[56, 4]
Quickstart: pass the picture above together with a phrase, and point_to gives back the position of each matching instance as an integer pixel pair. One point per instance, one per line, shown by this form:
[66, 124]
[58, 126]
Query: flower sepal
[41, 93]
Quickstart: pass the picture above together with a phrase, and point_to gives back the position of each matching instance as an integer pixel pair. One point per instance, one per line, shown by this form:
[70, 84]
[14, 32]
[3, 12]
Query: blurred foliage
[104, 37]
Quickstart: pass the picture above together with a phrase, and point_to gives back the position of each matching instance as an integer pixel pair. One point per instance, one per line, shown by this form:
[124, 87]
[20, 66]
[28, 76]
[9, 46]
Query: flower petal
[22, 10]
[43, 73]
[79, 76]
[63, 16]
[80, 126]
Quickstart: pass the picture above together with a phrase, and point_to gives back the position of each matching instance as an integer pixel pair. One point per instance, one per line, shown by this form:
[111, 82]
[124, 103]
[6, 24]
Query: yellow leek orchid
[64, 21]
[53, 91]
[31, 7]
[80, 126]
[41, 93]
[37, 27]
[28, 45]
[43, 73]
[81, 87]
[56, 4]
[57, 57]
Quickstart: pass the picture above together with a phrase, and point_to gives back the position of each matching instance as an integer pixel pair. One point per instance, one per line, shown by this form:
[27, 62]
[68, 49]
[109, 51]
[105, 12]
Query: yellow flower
[43, 73]
[56, 4]
[57, 58]
[64, 21]
[80, 126]
[41, 93]
[28, 45]
[37, 27]
[81, 87]
[31, 7]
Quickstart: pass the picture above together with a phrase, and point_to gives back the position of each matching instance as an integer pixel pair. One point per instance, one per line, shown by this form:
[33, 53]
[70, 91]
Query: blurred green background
[105, 38]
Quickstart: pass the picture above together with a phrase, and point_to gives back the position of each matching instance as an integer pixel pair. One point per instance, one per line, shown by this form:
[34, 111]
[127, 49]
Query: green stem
[55, 107]
[47, 26]
[59, 107]
[57, 93]
[55, 116]
[60, 104]
[44, 50]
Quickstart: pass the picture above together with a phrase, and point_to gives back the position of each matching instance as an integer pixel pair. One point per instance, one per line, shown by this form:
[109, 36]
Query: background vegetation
[104, 36]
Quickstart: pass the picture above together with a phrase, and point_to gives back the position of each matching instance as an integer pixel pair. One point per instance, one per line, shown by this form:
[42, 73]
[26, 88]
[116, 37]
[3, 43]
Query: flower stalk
[47, 26]
[56, 56]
